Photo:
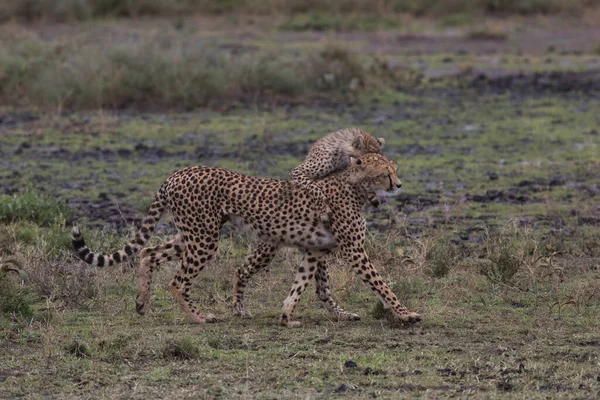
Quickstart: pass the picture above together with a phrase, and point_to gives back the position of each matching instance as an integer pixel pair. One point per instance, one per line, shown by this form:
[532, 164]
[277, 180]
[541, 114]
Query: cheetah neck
[342, 180]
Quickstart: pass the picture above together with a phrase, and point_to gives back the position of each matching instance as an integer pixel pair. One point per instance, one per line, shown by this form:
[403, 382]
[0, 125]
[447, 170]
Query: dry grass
[151, 69]
[83, 315]
[70, 10]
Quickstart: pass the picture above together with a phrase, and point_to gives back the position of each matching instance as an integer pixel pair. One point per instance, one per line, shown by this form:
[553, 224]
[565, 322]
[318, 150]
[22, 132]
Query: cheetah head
[375, 173]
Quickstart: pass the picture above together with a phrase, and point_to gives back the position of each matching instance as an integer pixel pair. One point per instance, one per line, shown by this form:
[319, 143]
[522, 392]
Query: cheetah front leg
[351, 239]
[258, 259]
[361, 265]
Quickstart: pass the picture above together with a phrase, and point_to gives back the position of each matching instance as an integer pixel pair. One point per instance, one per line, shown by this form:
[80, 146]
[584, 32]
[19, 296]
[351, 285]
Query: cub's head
[366, 143]
[375, 173]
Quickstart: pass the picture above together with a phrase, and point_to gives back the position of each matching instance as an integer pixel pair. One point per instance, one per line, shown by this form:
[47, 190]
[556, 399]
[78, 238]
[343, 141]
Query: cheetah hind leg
[259, 259]
[194, 261]
[324, 294]
[151, 257]
[304, 274]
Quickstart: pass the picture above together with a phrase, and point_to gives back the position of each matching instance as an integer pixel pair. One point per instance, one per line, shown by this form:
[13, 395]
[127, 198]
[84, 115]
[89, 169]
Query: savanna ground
[493, 120]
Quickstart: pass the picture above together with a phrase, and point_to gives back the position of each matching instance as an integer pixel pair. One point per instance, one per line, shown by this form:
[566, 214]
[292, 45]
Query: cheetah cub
[332, 154]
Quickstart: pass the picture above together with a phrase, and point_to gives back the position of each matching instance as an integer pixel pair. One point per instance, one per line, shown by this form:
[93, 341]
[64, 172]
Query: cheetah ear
[358, 143]
[381, 141]
[355, 161]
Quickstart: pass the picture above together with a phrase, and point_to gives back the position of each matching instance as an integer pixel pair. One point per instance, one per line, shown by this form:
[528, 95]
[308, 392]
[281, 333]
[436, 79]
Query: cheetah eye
[358, 162]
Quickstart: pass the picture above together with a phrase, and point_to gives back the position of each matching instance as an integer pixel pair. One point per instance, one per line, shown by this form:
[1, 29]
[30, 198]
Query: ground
[494, 240]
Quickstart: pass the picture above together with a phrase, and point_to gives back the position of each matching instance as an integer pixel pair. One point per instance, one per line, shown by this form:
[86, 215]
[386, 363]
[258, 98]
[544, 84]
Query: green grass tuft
[14, 298]
[78, 348]
[180, 349]
[149, 71]
[320, 22]
[441, 259]
[30, 206]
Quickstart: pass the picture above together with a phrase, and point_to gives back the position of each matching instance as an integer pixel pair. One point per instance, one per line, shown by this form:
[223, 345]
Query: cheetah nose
[399, 185]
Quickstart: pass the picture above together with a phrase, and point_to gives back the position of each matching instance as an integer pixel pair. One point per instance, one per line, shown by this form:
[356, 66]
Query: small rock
[446, 372]
[556, 180]
[350, 364]
[493, 176]
[505, 386]
[341, 389]
[370, 371]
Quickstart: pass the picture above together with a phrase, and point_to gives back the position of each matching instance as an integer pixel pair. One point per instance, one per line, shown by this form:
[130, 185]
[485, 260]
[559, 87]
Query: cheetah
[201, 199]
[331, 154]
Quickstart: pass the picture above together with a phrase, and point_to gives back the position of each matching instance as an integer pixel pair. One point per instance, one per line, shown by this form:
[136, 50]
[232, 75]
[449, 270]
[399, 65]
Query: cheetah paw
[242, 313]
[347, 316]
[203, 319]
[410, 317]
[290, 323]
[209, 318]
[140, 308]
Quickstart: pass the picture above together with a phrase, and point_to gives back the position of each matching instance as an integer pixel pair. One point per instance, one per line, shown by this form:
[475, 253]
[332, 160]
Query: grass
[71, 10]
[339, 23]
[486, 33]
[14, 298]
[152, 71]
[154, 65]
[478, 337]
[494, 239]
[33, 207]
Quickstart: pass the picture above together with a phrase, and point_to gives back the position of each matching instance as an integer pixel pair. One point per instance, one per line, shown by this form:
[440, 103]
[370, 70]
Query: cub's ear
[355, 161]
[358, 143]
[381, 141]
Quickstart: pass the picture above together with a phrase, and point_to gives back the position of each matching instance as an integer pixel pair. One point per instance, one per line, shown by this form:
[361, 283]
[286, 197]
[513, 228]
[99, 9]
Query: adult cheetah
[331, 154]
[202, 199]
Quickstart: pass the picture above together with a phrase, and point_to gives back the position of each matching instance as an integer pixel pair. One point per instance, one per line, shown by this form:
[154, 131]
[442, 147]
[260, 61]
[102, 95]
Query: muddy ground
[30, 150]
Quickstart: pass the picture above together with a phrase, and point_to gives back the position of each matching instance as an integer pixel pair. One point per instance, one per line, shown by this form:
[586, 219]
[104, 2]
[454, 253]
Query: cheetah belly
[292, 234]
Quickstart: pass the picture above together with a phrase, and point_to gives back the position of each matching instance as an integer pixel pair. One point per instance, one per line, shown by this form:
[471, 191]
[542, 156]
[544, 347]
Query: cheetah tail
[129, 250]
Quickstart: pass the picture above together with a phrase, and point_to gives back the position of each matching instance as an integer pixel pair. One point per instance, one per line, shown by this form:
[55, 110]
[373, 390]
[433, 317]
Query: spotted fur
[201, 199]
[331, 154]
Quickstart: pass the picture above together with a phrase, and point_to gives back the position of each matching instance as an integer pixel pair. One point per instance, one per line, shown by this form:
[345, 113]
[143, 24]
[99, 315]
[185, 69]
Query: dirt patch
[11, 119]
[106, 211]
[570, 40]
[540, 82]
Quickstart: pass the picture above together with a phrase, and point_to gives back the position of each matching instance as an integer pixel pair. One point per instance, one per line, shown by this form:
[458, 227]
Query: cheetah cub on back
[332, 154]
